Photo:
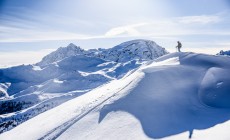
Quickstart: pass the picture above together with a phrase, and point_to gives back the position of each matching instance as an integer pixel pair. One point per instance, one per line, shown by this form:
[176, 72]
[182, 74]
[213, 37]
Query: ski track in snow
[56, 132]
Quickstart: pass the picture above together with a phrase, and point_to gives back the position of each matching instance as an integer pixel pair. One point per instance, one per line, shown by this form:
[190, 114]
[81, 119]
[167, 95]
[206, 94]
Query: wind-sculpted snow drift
[69, 72]
[215, 87]
[176, 97]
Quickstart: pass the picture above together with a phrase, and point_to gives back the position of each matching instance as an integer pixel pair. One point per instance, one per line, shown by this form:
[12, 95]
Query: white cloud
[170, 27]
[203, 19]
[128, 30]
[22, 57]
[202, 47]
[203, 50]
[165, 31]
[13, 34]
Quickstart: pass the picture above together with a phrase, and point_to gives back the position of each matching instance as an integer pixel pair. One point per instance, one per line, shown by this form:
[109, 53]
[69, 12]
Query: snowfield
[68, 72]
[176, 97]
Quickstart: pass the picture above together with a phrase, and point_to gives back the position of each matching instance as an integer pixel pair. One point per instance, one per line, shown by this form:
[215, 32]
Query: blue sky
[38, 25]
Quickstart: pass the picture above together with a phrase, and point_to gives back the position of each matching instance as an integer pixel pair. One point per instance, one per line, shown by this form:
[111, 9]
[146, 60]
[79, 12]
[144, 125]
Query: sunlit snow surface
[68, 72]
[178, 96]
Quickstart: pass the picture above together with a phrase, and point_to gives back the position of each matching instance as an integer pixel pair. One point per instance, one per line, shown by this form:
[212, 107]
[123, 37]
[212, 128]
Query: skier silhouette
[179, 45]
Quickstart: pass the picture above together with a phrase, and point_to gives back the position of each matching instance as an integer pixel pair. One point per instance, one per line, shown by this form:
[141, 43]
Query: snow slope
[29, 90]
[176, 97]
[68, 72]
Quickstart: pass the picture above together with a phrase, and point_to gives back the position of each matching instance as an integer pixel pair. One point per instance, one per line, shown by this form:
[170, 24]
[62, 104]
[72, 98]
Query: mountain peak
[224, 52]
[138, 49]
[61, 53]
[71, 45]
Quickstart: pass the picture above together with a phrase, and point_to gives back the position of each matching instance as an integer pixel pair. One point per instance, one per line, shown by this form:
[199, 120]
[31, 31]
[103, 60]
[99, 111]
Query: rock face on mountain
[61, 53]
[135, 49]
[131, 50]
[224, 52]
[65, 74]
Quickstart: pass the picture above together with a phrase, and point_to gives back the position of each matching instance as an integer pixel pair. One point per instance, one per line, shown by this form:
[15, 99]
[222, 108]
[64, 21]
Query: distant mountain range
[131, 50]
[224, 52]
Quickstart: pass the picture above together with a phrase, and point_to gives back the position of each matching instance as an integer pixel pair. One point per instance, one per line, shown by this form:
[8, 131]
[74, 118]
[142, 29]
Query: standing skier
[179, 45]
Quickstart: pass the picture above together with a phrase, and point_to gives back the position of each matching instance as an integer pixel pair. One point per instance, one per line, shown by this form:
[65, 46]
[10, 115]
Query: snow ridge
[131, 50]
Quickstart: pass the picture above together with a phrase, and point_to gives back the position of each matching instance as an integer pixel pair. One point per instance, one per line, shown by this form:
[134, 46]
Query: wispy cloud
[203, 19]
[186, 25]
[127, 30]
[22, 57]
[204, 50]
[37, 26]
[12, 34]
[161, 28]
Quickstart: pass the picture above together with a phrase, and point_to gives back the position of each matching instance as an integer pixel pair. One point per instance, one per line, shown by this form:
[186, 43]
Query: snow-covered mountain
[130, 50]
[176, 97]
[224, 52]
[69, 72]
